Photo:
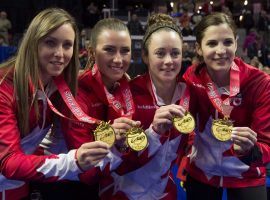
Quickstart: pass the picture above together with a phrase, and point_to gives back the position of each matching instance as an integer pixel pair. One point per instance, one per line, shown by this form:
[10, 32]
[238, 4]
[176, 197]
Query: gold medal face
[222, 129]
[105, 133]
[137, 139]
[185, 124]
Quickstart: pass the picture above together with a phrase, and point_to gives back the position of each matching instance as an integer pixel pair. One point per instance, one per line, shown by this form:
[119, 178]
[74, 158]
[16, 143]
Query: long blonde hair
[26, 67]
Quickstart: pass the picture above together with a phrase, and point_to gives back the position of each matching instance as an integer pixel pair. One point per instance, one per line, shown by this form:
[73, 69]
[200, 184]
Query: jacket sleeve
[261, 122]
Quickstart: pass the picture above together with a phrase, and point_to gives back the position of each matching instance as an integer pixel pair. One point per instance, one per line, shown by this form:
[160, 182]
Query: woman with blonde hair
[29, 97]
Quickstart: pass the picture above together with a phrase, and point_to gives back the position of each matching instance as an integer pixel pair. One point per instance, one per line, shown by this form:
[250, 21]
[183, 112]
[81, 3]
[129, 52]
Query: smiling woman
[104, 94]
[28, 96]
[232, 140]
[55, 52]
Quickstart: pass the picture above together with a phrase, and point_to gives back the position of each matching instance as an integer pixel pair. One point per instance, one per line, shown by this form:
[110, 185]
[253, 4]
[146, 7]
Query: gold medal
[105, 133]
[185, 124]
[137, 139]
[222, 129]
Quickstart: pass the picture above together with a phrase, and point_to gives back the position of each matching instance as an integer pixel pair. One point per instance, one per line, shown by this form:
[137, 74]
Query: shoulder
[253, 79]
[6, 86]
[139, 84]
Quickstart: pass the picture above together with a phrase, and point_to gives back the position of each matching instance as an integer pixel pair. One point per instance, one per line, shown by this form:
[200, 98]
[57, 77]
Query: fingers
[89, 154]
[244, 137]
[121, 126]
[170, 111]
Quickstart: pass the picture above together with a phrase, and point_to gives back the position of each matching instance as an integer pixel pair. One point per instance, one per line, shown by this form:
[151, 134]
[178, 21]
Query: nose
[117, 58]
[221, 49]
[168, 59]
[59, 51]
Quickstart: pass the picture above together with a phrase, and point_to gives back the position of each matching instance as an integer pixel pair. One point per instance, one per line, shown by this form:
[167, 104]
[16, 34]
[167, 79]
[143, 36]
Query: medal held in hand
[137, 139]
[185, 124]
[222, 129]
[105, 133]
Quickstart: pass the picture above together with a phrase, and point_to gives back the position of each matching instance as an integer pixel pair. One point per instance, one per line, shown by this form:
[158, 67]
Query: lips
[116, 68]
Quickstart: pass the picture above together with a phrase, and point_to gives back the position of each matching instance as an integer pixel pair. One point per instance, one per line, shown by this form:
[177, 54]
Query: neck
[221, 79]
[165, 90]
[45, 79]
[108, 84]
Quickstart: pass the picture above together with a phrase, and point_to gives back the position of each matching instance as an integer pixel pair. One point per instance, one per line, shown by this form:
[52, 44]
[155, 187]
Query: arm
[16, 158]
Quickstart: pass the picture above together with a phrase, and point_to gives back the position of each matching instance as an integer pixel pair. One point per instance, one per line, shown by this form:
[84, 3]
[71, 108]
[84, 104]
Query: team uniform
[94, 102]
[214, 162]
[18, 165]
[153, 180]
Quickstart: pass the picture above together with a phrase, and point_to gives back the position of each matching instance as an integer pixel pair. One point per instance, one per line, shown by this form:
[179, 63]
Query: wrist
[77, 161]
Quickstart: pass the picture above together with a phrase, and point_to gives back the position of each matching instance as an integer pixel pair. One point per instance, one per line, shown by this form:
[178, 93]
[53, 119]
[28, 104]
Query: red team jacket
[17, 162]
[93, 101]
[214, 162]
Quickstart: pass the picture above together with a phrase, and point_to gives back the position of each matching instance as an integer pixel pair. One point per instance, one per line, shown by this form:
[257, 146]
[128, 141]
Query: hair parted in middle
[158, 22]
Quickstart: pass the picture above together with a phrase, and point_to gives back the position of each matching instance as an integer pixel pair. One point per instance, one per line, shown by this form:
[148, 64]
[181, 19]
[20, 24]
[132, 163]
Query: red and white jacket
[153, 180]
[214, 162]
[18, 164]
[94, 103]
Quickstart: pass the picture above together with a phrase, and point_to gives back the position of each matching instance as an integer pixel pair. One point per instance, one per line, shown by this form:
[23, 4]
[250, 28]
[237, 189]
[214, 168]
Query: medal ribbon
[119, 98]
[69, 101]
[213, 93]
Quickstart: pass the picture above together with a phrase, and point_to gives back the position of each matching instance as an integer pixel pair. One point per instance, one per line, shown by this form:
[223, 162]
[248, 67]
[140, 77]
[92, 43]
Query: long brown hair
[25, 63]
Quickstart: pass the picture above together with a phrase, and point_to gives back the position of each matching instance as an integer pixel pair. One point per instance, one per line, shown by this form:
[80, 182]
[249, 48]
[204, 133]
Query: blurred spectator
[90, 17]
[248, 21]
[226, 10]
[256, 63]
[250, 39]
[83, 39]
[263, 25]
[83, 45]
[6, 51]
[187, 30]
[263, 21]
[188, 55]
[196, 18]
[258, 49]
[134, 25]
[184, 19]
[5, 26]
[2, 41]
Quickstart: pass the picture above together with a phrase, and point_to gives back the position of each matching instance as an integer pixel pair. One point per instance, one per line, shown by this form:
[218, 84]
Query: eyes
[112, 50]
[52, 43]
[161, 53]
[227, 42]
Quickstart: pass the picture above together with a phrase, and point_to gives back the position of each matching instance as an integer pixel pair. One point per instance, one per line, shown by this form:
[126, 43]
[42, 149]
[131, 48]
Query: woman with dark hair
[231, 145]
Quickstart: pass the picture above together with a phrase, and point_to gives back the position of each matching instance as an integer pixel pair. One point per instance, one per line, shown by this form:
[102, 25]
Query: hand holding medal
[243, 139]
[128, 134]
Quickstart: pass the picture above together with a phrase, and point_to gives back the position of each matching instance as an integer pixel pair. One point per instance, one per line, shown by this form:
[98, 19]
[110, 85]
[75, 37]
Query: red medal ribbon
[213, 93]
[121, 101]
[69, 101]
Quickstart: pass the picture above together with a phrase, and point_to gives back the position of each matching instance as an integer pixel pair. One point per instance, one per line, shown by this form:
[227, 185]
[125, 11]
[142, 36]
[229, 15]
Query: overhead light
[172, 4]
[246, 2]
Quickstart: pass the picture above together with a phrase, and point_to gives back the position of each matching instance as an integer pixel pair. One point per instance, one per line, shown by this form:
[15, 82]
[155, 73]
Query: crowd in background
[253, 25]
